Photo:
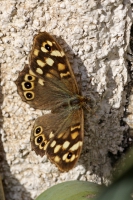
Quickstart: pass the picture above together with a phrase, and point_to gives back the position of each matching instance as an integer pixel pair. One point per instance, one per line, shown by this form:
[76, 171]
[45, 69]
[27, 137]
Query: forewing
[40, 93]
[49, 62]
[49, 79]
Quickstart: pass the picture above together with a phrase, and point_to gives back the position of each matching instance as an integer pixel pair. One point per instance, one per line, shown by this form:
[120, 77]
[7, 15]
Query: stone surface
[95, 36]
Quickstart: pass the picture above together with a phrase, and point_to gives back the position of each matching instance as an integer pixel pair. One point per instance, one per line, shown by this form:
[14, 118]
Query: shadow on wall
[99, 134]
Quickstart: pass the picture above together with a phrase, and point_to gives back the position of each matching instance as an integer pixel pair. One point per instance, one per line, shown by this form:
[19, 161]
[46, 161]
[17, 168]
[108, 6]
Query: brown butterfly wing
[48, 60]
[49, 83]
[40, 93]
[44, 83]
[60, 136]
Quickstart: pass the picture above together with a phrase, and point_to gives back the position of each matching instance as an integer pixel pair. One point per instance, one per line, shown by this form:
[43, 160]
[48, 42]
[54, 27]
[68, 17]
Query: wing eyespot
[42, 144]
[29, 78]
[69, 155]
[39, 139]
[29, 95]
[48, 47]
[27, 85]
[38, 130]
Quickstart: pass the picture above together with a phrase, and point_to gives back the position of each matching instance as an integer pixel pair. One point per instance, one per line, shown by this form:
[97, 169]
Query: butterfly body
[49, 83]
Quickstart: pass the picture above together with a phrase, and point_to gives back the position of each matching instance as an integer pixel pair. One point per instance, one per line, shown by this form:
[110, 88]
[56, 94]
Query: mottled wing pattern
[49, 83]
[48, 60]
[49, 78]
[60, 136]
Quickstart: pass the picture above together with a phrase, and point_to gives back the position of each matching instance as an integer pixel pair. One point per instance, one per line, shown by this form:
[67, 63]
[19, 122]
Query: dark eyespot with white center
[48, 47]
[29, 95]
[27, 85]
[38, 130]
[39, 139]
[69, 155]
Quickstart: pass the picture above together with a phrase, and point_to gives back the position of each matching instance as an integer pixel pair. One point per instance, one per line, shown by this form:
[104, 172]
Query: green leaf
[71, 190]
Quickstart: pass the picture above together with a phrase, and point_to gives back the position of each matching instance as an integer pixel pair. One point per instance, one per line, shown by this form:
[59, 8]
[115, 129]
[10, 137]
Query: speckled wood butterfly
[49, 83]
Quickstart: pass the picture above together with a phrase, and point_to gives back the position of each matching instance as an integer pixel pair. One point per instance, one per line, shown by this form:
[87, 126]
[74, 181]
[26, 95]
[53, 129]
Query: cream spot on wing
[56, 53]
[80, 143]
[74, 135]
[75, 146]
[53, 144]
[43, 44]
[65, 145]
[36, 52]
[62, 53]
[39, 71]
[52, 71]
[44, 50]
[64, 74]
[51, 135]
[45, 147]
[49, 61]
[61, 67]
[48, 75]
[50, 43]
[60, 135]
[64, 156]
[74, 127]
[41, 63]
[57, 159]
[57, 148]
[41, 81]
[66, 135]
[32, 73]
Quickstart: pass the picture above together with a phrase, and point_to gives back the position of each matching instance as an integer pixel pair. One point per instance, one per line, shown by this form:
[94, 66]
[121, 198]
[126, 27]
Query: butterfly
[48, 83]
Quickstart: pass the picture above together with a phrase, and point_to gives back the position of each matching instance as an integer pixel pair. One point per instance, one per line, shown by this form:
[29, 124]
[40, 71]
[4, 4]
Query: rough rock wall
[95, 36]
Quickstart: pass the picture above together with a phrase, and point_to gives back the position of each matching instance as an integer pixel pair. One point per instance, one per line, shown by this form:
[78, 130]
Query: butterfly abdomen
[73, 103]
